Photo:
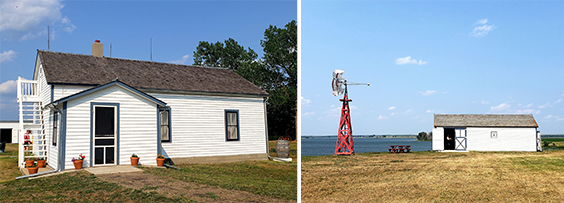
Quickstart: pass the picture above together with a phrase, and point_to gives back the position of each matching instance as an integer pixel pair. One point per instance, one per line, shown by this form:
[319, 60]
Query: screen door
[104, 135]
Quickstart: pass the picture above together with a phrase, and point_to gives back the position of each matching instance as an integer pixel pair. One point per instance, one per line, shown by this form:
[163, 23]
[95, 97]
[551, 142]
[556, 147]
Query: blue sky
[176, 27]
[425, 58]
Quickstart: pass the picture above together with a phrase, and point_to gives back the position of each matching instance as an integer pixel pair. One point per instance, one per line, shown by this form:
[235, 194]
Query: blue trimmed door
[105, 131]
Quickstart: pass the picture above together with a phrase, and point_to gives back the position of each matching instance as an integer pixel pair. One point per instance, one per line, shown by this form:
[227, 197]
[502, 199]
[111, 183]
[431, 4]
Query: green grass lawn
[269, 178]
[8, 163]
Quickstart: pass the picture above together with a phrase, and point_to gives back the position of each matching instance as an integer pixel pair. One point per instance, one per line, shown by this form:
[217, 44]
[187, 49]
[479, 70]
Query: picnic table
[399, 148]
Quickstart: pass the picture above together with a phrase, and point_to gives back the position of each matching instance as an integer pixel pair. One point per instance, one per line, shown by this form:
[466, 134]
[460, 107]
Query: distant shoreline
[393, 136]
[360, 136]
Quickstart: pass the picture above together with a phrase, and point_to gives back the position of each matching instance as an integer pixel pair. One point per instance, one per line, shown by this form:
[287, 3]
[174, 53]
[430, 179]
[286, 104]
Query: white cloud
[545, 105]
[481, 31]
[28, 19]
[428, 92]
[482, 21]
[69, 26]
[304, 101]
[531, 104]
[430, 111]
[8, 55]
[182, 60]
[392, 108]
[380, 117]
[408, 111]
[308, 113]
[503, 107]
[527, 111]
[392, 114]
[409, 60]
[558, 101]
[484, 102]
[8, 86]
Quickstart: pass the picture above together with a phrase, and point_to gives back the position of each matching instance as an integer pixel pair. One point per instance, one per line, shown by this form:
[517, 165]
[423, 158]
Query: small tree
[422, 136]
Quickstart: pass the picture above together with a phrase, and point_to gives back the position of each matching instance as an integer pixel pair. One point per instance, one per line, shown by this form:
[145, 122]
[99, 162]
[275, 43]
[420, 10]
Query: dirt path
[174, 188]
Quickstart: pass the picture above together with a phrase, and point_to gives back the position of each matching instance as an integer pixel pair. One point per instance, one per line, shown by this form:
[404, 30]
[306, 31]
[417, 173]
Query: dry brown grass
[435, 177]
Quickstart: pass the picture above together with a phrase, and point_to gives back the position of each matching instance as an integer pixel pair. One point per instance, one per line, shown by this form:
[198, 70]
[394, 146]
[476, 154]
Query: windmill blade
[338, 82]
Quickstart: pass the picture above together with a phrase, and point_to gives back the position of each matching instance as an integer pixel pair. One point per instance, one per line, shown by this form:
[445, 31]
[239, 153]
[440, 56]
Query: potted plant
[32, 169]
[78, 161]
[29, 162]
[160, 160]
[41, 162]
[134, 160]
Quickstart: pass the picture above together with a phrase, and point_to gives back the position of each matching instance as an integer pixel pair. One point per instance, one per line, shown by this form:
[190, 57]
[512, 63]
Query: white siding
[137, 126]
[438, 136]
[45, 94]
[198, 125]
[509, 139]
[60, 91]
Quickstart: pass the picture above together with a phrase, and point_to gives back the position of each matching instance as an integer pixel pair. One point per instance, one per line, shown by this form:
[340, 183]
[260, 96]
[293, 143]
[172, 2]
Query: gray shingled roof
[67, 68]
[485, 120]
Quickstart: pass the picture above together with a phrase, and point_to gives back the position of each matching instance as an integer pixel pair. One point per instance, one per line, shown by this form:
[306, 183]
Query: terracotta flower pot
[29, 163]
[160, 161]
[134, 161]
[32, 170]
[78, 164]
[40, 163]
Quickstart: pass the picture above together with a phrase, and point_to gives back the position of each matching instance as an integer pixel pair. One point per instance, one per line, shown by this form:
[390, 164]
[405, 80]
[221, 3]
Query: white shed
[9, 131]
[109, 108]
[486, 132]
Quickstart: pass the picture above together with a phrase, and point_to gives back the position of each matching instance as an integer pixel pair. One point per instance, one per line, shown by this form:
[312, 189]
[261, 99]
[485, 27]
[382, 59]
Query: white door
[105, 120]
[460, 139]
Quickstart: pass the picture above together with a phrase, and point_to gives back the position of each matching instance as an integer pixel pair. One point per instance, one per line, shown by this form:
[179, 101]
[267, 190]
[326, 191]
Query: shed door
[460, 139]
[104, 135]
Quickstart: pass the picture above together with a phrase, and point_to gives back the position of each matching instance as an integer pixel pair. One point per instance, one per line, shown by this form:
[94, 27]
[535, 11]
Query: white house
[109, 108]
[486, 132]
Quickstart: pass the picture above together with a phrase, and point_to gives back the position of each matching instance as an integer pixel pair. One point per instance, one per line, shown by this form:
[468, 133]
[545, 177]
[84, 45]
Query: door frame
[117, 129]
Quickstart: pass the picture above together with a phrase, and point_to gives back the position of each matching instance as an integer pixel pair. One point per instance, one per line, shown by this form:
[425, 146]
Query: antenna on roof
[151, 49]
[48, 46]
[345, 145]
[110, 50]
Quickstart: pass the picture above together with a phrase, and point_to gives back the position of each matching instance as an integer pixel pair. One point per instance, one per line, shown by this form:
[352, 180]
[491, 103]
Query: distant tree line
[275, 72]
[423, 136]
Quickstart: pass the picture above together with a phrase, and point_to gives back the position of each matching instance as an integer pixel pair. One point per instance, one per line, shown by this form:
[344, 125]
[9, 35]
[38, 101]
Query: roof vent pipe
[98, 49]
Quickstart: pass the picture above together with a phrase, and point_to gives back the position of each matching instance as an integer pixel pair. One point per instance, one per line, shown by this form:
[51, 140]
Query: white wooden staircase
[31, 118]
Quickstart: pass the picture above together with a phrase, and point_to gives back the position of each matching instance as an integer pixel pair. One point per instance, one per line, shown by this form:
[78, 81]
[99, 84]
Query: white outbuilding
[486, 132]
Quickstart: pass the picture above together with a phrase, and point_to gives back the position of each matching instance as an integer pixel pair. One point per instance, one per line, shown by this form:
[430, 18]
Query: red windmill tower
[345, 144]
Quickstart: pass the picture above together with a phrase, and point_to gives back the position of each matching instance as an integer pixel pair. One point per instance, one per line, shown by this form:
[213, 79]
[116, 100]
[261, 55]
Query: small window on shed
[493, 134]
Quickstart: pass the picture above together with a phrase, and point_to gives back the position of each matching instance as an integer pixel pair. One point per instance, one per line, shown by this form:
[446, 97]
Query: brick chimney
[98, 49]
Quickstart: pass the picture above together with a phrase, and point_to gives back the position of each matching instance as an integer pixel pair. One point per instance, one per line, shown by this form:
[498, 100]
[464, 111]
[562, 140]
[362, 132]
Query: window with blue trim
[55, 127]
[232, 125]
[164, 114]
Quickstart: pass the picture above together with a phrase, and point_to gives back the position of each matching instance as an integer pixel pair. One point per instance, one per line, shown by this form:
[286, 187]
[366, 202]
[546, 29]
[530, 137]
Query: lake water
[326, 146]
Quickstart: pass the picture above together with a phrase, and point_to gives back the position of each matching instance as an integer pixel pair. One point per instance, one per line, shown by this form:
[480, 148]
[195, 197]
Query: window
[232, 125]
[164, 114]
[55, 127]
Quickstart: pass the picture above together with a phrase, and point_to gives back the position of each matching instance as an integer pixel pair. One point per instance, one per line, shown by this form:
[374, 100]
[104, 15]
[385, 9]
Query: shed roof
[485, 120]
[78, 69]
